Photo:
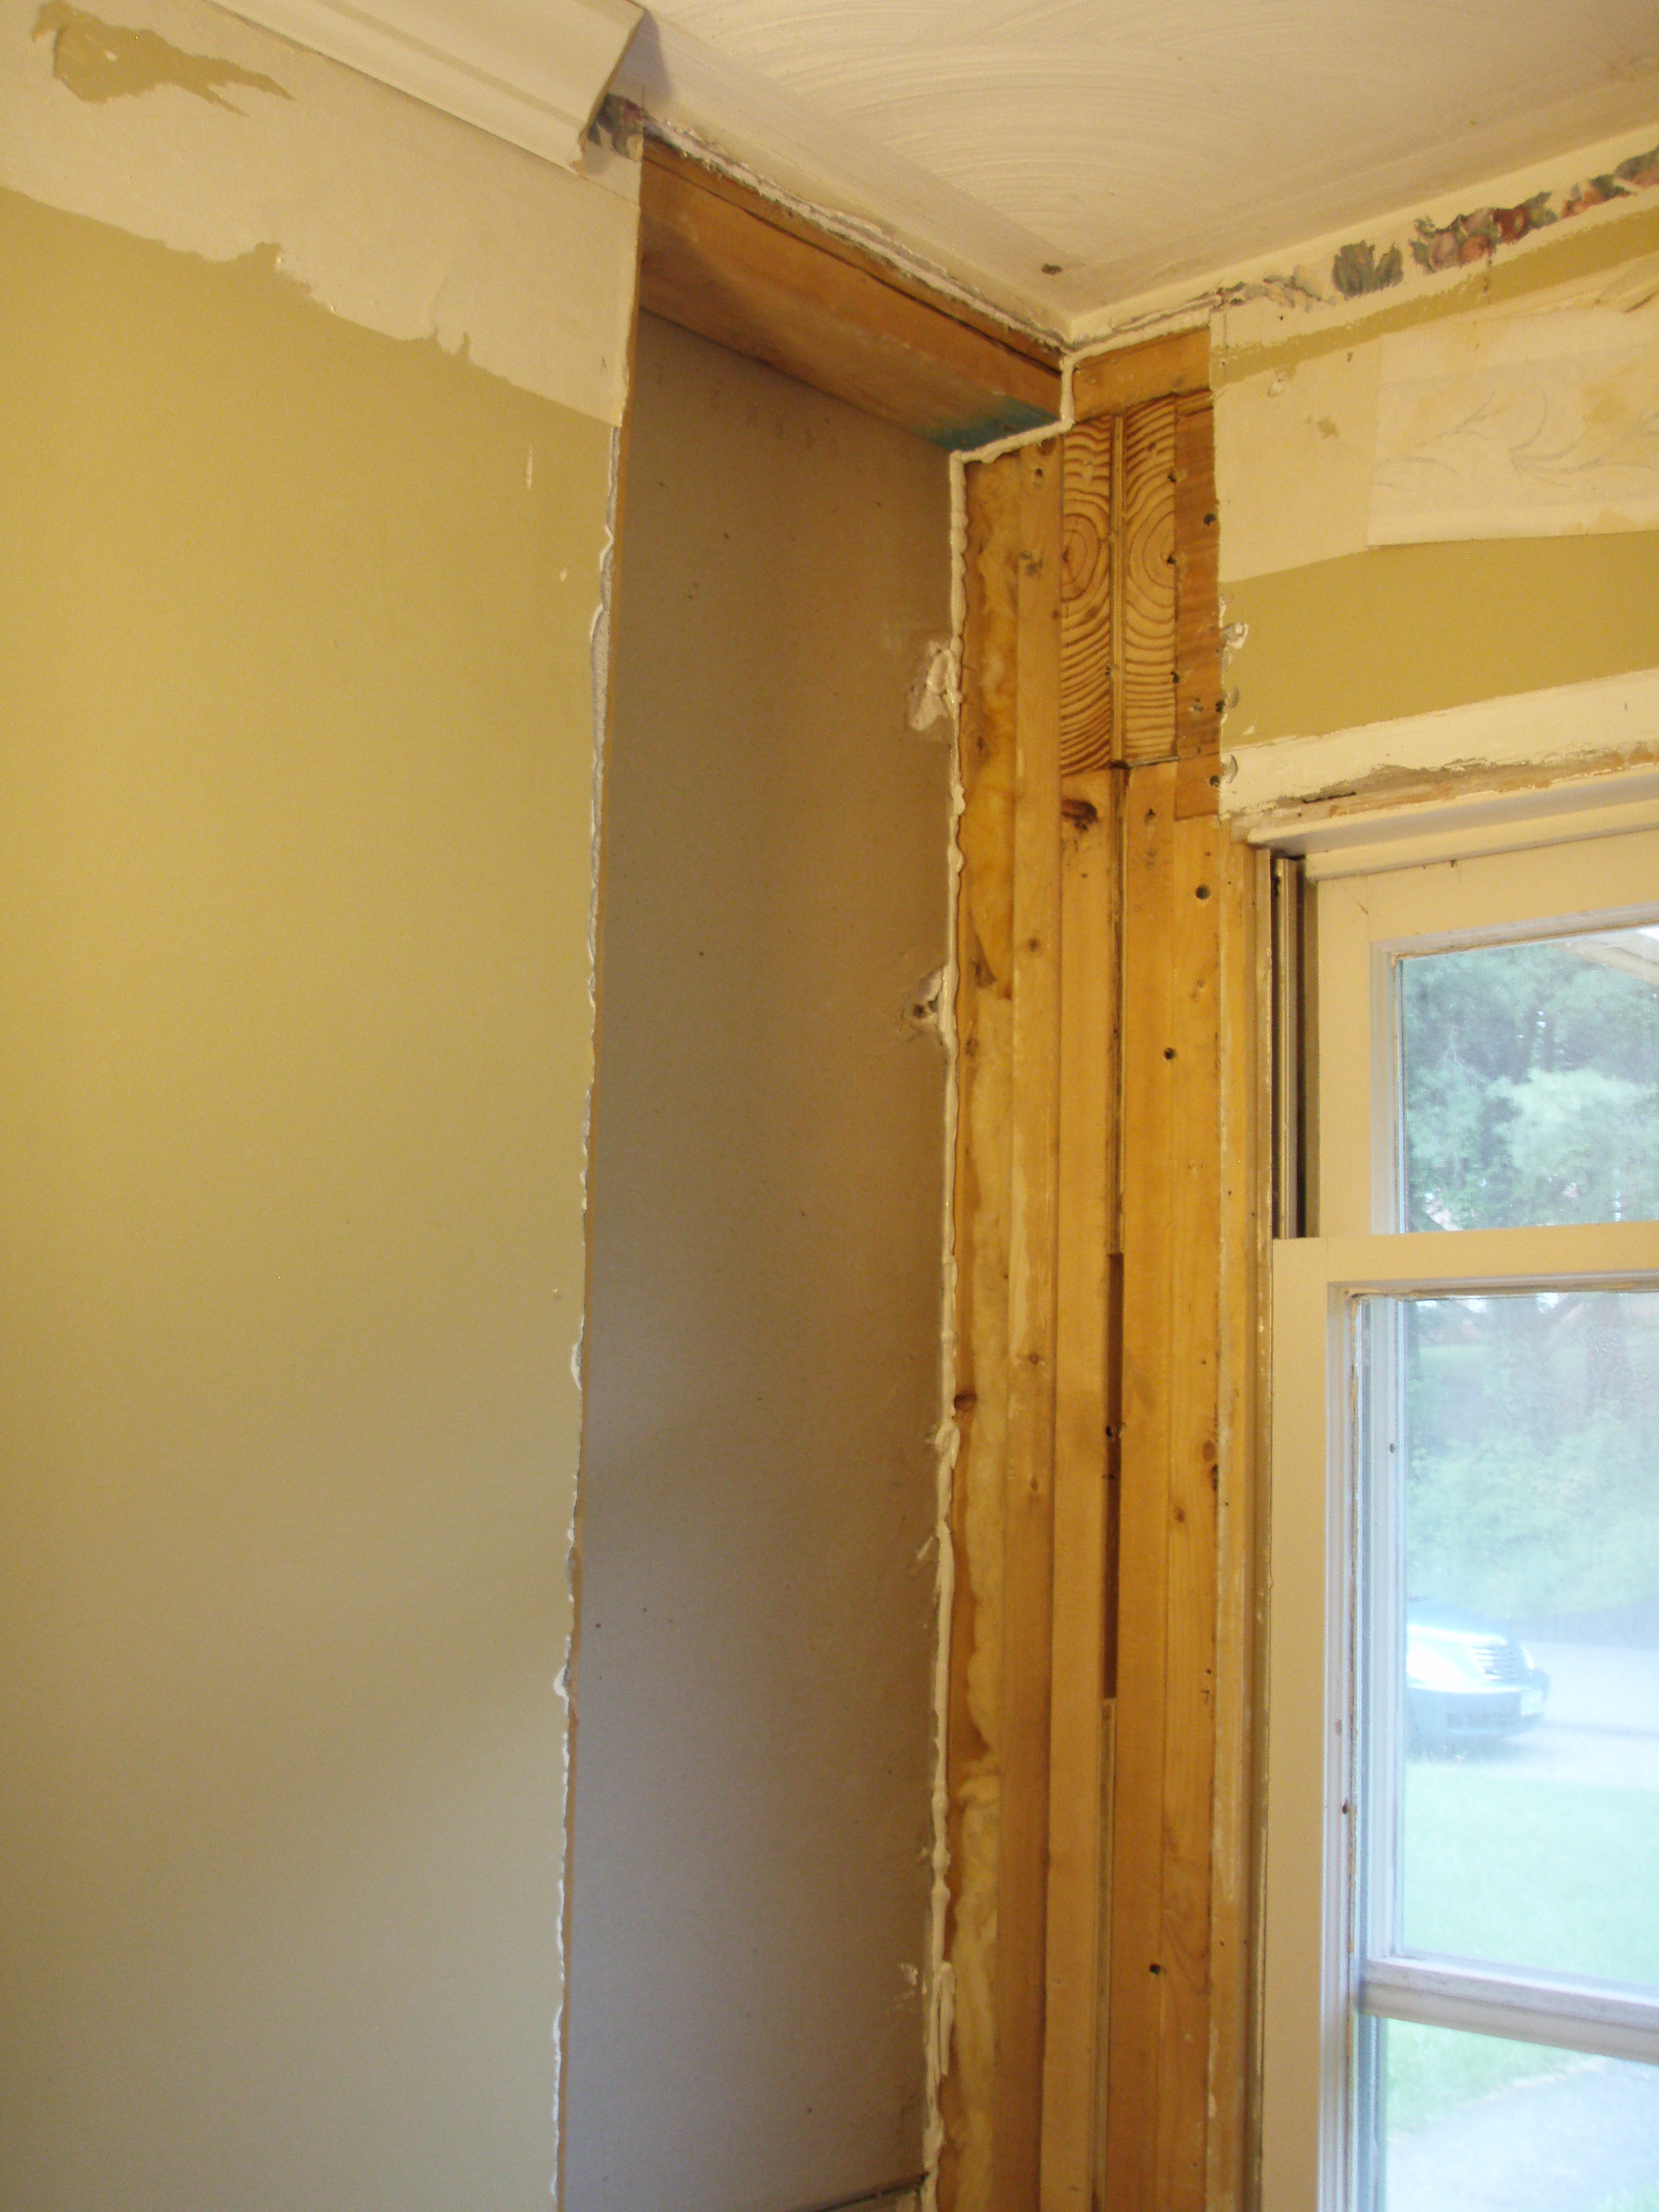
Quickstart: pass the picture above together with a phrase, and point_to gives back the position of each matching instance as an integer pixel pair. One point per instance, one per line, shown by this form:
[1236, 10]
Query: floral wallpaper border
[1362, 266]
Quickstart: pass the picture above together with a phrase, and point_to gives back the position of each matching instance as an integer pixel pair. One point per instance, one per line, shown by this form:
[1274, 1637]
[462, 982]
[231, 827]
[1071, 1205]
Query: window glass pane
[1531, 1082]
[1514, 1624]
[1472, 2123]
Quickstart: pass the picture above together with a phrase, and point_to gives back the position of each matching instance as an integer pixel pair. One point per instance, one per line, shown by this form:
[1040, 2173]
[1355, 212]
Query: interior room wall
[750, 1864]
[296, 800]
[1446, 490]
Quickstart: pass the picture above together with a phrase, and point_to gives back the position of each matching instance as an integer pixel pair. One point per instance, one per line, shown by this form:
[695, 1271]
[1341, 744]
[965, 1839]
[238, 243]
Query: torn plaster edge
[385, 211]
[868, 237]
[1285, 283]
[939, 1985]
[599, 657]
[1479, 777]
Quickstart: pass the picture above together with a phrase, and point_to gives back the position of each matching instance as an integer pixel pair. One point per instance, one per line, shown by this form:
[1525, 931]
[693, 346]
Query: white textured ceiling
[1129, 145]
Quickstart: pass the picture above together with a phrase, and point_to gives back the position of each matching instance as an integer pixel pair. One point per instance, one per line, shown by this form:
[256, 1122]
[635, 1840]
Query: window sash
[1318, 1983]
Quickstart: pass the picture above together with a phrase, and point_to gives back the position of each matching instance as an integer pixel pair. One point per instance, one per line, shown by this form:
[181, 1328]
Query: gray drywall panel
[750, 1869]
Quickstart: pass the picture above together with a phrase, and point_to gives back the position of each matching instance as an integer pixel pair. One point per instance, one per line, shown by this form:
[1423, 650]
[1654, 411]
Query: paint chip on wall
[98, 61]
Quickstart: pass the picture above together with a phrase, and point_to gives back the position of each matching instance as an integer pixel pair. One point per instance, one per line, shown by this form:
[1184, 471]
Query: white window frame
[1313, 1997]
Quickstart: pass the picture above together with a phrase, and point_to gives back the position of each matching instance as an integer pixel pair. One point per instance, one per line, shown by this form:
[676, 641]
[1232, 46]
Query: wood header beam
[727, 263]
[1162, 368]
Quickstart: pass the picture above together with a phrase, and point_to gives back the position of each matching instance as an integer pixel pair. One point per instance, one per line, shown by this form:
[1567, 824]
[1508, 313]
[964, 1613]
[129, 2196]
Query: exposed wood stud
[1197, 785]
[983, 1163]
[1028, 1510]
[1088, 1086]
[1149, 582]
[1087, 628]
[1191, 1322]
[1151, 1277]
[1198, 597]
[1112, 383]
[1111, 923]
[1245, 1112]
[728, 264]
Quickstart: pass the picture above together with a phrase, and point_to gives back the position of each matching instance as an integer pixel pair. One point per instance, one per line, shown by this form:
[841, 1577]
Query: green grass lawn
[1436, 2071]
[1561, 1876]
[1513, 1868]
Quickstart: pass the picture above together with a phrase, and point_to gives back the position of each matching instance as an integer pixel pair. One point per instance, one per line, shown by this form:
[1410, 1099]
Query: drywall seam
[1577, 728]
[1420, 262]
[868, 237]
[388, 213]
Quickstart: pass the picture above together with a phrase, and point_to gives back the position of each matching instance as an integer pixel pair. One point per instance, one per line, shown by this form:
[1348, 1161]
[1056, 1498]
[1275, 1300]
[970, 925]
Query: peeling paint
[98, 61]
[1582, 729]
[389, 214]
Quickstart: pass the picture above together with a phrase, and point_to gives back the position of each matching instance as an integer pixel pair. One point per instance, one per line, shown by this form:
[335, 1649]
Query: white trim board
[530, 71]
[1581, 760]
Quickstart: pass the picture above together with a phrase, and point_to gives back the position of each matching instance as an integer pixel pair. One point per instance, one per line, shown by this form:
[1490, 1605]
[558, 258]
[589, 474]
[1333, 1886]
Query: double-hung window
[1460, 2010]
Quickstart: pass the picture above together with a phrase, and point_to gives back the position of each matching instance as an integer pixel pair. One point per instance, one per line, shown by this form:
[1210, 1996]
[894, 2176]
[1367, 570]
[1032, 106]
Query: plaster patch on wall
[1294, 452]
[934, 694]
[389, 214]
[98, 61]
[1493, 426]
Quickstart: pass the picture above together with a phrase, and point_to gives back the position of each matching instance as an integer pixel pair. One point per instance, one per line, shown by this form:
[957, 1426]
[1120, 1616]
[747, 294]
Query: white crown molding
[530, 71]
[1582, 761]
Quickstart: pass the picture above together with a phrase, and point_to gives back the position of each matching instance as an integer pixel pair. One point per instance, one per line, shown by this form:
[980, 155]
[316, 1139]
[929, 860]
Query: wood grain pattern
[1086, 1276]
[719, 263]
[1146, 654]
[1111, 383]
[1198, 589]
[1087, 630]
[659, 155]
[1194, 1206]
[983, 1164]
[1028, 1506]
[1245, 1102]
[1151, 1275]
[1130, 1547]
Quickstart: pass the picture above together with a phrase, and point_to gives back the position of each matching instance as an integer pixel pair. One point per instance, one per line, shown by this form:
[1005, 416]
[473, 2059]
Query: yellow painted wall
[295, 776]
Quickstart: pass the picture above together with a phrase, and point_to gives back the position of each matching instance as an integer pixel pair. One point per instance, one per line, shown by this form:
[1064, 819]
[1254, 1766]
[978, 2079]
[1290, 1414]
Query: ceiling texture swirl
[1064, 156]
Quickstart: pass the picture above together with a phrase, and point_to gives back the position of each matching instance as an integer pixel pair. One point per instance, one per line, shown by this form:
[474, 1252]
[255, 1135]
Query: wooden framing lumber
[1088, 612]
[1113, 1772]
[1029, 1492]
[983, 1168]
[1145, 533]
[1085, 1485]
[732, 266]
[1112, 383]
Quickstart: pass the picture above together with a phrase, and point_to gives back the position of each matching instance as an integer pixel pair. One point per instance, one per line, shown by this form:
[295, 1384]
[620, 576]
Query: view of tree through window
[1531, 1082]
